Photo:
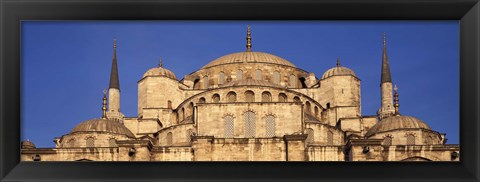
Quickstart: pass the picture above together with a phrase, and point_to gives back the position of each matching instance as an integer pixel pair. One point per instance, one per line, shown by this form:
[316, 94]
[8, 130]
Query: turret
[386, 108]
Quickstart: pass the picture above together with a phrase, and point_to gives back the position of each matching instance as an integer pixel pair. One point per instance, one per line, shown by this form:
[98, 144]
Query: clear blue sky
[66, 65]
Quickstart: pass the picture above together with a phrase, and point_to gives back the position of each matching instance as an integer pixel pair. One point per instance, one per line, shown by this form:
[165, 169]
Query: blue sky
[66, 65]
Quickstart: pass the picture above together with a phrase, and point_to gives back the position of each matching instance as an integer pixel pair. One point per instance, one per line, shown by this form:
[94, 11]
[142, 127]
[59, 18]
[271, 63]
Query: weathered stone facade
[249, 106]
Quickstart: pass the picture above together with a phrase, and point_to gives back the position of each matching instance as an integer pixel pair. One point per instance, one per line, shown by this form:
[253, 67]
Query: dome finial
[396, 105]
[161, 63]
[104, 104]
[249, 39]
[338, 61]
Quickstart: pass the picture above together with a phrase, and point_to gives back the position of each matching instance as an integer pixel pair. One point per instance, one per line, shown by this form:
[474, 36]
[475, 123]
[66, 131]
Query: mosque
[249, 106]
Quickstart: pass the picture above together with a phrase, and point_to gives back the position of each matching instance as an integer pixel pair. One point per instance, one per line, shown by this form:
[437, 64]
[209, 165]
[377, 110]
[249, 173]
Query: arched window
[310, 135]
[189, 135]
[328, 105]
[221, 78]
[308, 107]
[329, 138]
[296, 99]
[216, 98]
[189, 113]
[276, 77]
[387, 141]
[258, 74]
[169, 104]
[292, 83]
[269, 126]
[169, 138]
[205, 82]
[196, 84]
[112, 142]
[239, 74]
[410, 139]
[90, 142]
[249, 118]
[181, 114]
[232, 96]
[201, 100]
[266, 97]
[249, 96]
[228, 126]
[316, 111]
[302, 82]
[282, 97]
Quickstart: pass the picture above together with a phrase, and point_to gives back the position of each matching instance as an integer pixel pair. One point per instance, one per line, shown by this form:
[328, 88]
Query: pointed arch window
[258, 74]
[249, 118]
[310, 135]
[266, 97]
[270, 126]
[228, 126]
[221, 78]
[410, 139]
[282, 97]
[249, 96]
[276, 77]
[90, 142]
[169, 138]
[232, 96]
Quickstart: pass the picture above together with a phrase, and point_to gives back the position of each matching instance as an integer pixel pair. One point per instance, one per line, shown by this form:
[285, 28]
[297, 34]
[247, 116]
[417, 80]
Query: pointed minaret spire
[249, 39]
[114, 83]
[161, 63]
[338, 62]
[386, 76]
[395, 99]
[104, 104]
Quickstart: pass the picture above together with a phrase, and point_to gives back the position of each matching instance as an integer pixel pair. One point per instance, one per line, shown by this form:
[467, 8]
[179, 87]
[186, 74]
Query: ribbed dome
[28, 145]
[339, 70]
[249, 82]
[103, 125]
[160, 71]
[250, 57]
[397, 122]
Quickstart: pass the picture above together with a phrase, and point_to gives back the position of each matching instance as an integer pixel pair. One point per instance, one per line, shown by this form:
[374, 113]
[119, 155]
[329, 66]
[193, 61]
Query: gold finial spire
[395, 100]
[161, 63]
[104, 104]
[249, 39]
[338, 62]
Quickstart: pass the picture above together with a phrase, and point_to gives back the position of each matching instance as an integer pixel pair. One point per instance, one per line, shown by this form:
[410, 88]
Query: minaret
[386, 109]
[114, 89]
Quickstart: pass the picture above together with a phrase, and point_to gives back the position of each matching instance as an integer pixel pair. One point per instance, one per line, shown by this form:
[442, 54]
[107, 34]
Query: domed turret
[27, 144]
[160, 71]
[397, 122]
[103, 125]
[338, 71]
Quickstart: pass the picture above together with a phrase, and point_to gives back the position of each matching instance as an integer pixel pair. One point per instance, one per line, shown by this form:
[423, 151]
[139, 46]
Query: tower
[386, 108]
[114, 89]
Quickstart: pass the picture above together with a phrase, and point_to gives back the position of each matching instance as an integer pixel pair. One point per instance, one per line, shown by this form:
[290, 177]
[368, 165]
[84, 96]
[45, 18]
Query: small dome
[250, 57]
[250, 82]
[103, 125]
[337, 71]
[397, 122]
[28, 145]
[160, 71]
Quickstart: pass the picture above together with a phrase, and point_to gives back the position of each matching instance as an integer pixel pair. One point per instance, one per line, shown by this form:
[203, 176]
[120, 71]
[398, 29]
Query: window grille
[249, 96]
[232, 97]
[189, 135]
[387, 141]
[310, 135]
[249, 124]
[112, 142]
[90, 142]
[229, 127]
[270, 126]
[276, 77]
[410, 139]
[216, 98]
[266, 97]
[169, 138]
[329, 138]
[282, 97]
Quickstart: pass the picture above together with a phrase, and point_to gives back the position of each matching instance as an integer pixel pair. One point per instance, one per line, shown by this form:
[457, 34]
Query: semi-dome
[337, 71]
[249, 57]
[249, 82]
[397, 122]
[103, 125]
[27, 144]
[160, 71]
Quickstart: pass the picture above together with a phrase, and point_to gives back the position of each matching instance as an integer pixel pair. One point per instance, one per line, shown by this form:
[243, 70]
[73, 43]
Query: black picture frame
[13, 12]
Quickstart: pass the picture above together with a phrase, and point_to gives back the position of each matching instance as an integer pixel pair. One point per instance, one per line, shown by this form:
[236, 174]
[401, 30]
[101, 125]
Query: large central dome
[249, 57]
